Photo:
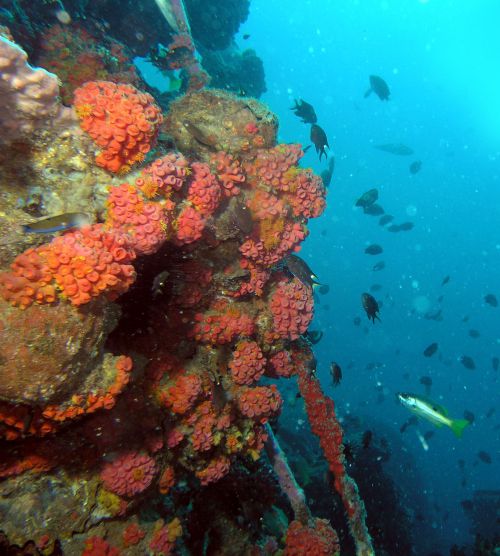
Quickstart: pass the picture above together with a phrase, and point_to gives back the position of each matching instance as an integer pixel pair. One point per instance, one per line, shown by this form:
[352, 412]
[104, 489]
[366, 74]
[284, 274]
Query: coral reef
[121, 120]
[325, 425]
[138, 421]
[29, 96]
[214, 23]
[77, 57]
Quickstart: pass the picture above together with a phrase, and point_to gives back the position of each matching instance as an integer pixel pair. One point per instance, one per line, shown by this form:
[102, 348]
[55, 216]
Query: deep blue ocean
[441, 61]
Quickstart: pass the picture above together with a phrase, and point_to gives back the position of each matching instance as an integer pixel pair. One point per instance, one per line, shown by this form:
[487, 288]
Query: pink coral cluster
[189, 226]
[97, 546]
[222, 323]
[229, 172]
[195, 284]
[77, 57]
[248, 363]
[164, 536]
[121, 120]
[259, 403]
[290, 237]
[144, 222]
[292, 308]
[129, 474]
[271, 165]
[204, 191]
[308, 196]
[281, 364]
[163, 176]
[315, 539]
[205, 424]
[266, 205]
[259, 275]
[133, 535]
[181, 396]
[214, 471]
[83, 265]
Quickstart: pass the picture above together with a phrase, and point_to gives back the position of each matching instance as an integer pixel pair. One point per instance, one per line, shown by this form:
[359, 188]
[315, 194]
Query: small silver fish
[58, 223]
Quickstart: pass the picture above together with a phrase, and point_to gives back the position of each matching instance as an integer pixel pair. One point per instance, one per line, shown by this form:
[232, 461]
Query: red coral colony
[147, 344]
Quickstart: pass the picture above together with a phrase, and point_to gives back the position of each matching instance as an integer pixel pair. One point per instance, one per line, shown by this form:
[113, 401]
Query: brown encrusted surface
[211, 120]
[47, 352]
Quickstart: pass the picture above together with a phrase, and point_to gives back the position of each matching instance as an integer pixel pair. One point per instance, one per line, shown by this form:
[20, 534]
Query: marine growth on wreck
[141, 347]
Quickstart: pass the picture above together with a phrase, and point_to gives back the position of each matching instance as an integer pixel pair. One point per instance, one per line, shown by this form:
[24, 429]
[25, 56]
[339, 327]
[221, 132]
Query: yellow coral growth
[149, 188]
[83, 111]
[270, 232]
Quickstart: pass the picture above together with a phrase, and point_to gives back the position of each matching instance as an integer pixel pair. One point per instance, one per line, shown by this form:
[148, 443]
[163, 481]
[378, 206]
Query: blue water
[441, 62]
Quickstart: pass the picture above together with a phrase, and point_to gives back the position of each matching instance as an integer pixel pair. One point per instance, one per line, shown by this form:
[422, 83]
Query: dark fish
[357, 321]
[491, 300]
[446, 279]
[326, 175]
[467, 505]
[466, 318]
[371, 307]
[379, 266]
[413, 420]
[305, 112]
[426, 381]
[393, 228]
[367, 439]
[57, 223]
[379, 87]
[490, 412]
[373, 249]
[431, 349]
[347, 451]
[385, 219]
[436, 315]
[374, 210]
[241, 217]
[159, 282]
[415, 167]
[314, 336]
[440, 298]
[324, 289]
[395, 148]
[367, 199]
[474, 333]
[299, 268]
[494, 363]
[375, 287]
[336, 373]
[484, 456]
[219, 395]
[469, 416]
[428, 435]
[305, 149]
[298, 395]
[468, 362]
[319, 140]
[406, 226]
[246, 36]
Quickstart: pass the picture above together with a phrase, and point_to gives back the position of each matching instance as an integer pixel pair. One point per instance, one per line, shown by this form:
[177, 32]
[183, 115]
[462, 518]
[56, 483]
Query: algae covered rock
[47, 353]
[204, 122]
